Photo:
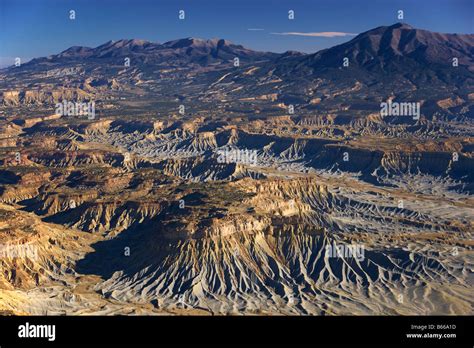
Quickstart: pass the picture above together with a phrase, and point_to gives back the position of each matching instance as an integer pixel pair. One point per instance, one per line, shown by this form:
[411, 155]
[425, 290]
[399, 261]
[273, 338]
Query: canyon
[133, 211]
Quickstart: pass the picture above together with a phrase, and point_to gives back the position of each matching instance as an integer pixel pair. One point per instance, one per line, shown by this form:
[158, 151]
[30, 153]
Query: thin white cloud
[317, 34]
[255, 29]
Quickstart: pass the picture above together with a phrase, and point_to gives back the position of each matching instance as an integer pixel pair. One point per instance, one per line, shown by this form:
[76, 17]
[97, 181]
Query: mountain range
[378, 48]
[414, 63]
[190, 49]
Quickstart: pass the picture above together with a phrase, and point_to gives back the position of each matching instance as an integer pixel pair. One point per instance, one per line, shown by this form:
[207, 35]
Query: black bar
[290, 331]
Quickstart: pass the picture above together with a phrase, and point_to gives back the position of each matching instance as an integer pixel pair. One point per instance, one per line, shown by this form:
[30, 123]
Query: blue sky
[33, 28]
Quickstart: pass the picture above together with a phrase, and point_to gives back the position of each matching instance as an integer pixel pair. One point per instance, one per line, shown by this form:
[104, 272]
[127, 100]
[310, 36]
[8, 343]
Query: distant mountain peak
[395, 47]
[401, 25]
[190, 49]
[76, 51]
[125, 43]
[132, 42]
[198, 43]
